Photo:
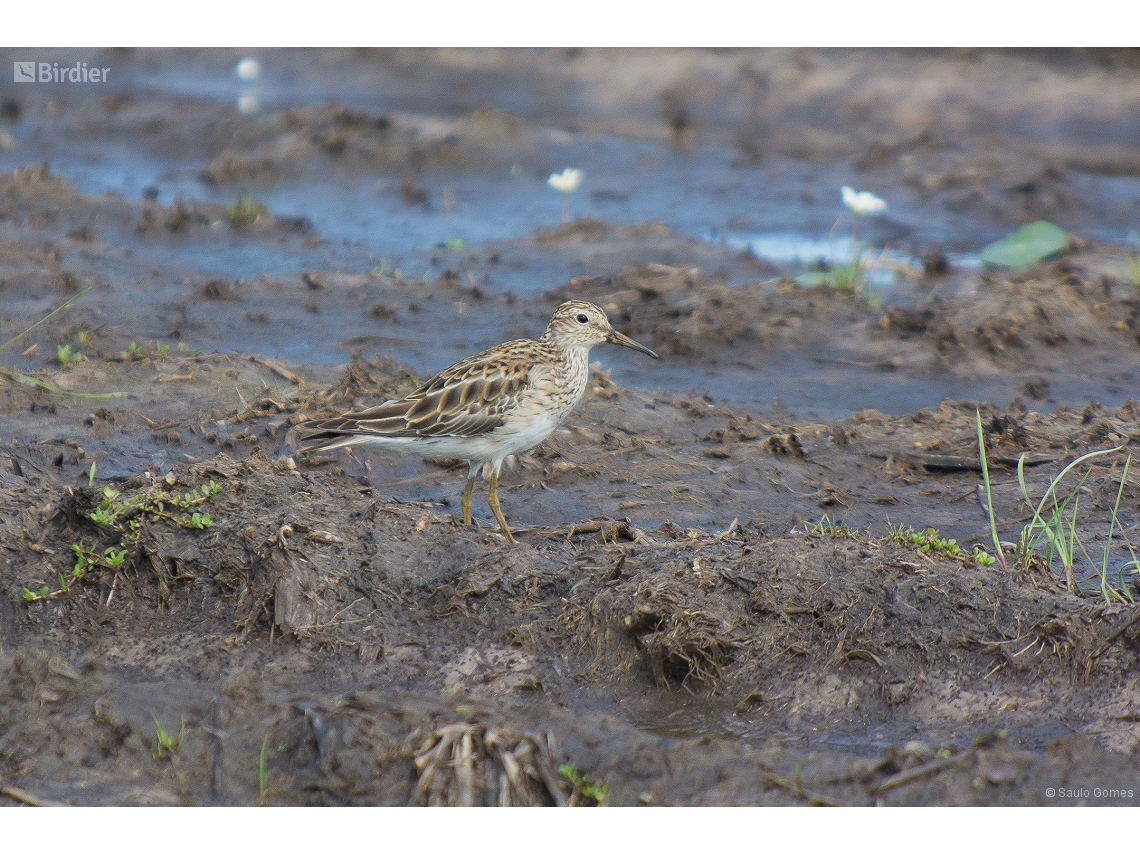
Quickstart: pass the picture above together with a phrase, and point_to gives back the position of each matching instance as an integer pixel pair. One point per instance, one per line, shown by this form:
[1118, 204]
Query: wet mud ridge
[254, 608]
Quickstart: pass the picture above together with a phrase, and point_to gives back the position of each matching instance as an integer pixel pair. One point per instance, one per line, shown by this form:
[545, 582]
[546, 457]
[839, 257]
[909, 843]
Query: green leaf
[29, 596]
[1028, 245]
[17, 377]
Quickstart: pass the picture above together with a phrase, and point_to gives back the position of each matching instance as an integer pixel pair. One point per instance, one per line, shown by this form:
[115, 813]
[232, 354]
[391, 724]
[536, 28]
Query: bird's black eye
[583, 318]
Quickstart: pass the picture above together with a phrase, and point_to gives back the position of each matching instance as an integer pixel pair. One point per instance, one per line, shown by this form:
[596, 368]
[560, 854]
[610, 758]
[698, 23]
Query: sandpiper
[488, 406]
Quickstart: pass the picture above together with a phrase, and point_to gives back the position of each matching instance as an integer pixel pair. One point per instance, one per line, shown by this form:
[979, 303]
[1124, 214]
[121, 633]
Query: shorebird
[488, 406]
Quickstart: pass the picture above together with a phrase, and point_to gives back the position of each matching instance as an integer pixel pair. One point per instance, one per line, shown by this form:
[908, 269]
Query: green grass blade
[262, 776]
[989, 496]
[43, 320]
[1105, 588]
[28, 380]
[1029, 537]
[1072, 554]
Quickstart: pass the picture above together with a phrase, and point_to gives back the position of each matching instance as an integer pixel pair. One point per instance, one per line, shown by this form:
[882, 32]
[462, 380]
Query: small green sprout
[245, 212]
[166, 743]
[66, 356]
[582, 785]
[167, 746]
[103, 516]
[827, 527]
[199, 521]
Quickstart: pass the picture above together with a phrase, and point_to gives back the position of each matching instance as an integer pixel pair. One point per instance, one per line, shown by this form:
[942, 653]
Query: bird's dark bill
[625, 341]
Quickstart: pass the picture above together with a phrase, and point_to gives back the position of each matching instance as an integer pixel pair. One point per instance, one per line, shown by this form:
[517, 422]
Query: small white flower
[566, 181]
[248, 68]
[862, 201]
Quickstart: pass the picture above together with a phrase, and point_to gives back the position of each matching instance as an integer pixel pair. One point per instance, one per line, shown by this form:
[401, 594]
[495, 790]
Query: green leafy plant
[198, 521]
[1028, 245]
[929, 540]
[141, 351]
[66, 356]
[581, 785]
[167, 745]
[126, 517]
[87, 558]
[245, 212]
[121, 514]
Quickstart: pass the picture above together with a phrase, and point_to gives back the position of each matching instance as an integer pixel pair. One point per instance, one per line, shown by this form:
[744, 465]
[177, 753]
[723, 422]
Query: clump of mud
[361, 139]
[1032, 321]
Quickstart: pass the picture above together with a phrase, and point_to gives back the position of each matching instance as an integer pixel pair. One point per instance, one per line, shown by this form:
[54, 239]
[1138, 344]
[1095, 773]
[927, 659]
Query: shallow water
[784, 211]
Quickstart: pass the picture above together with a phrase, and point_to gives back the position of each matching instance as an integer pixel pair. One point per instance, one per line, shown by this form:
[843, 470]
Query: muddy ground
[707, 604]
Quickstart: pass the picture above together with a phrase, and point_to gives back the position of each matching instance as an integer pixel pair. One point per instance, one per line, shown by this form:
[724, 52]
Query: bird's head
[577, 324]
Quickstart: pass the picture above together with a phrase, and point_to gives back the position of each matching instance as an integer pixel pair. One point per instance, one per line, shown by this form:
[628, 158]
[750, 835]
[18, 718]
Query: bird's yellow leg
[465, 502]
[493, 501]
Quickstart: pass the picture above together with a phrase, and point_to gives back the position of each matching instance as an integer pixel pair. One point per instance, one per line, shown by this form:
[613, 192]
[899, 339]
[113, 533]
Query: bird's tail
[328, 440]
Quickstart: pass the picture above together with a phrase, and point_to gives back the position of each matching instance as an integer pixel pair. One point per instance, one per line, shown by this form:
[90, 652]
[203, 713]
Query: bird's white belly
[505, 440]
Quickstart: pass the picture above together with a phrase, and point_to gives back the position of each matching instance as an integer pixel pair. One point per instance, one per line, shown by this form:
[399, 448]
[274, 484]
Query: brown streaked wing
[469, 398]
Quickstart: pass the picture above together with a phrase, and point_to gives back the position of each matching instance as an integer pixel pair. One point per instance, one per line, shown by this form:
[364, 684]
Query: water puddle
[783, 211]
